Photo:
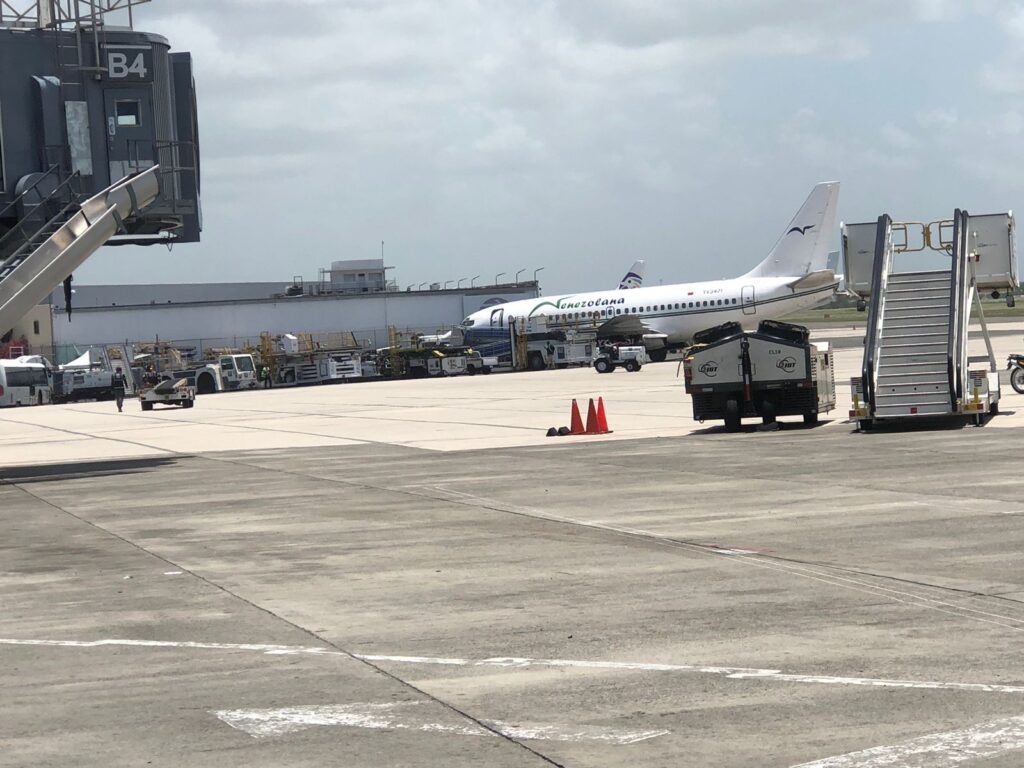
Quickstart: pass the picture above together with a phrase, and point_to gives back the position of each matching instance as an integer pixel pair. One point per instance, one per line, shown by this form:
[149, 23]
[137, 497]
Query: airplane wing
[624, 325]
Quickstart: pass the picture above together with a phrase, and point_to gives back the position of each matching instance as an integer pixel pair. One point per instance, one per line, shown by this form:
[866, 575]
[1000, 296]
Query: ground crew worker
[117, 385]
[267, 382]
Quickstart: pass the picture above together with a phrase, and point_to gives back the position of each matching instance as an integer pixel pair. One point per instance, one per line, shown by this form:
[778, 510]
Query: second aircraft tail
[634, 278]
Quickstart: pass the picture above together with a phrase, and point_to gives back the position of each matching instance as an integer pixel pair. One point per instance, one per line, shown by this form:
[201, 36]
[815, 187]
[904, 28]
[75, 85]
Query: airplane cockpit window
[467, 323]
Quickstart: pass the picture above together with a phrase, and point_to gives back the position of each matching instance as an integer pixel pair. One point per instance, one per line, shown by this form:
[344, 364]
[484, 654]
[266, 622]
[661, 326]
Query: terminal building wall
[237, 323]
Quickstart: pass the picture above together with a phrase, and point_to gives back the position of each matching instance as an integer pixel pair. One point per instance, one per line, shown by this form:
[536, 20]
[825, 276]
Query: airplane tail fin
[634, 278]
[805, 243]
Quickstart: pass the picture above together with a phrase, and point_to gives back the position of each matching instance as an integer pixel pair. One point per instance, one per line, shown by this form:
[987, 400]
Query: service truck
[168, 392]
[731, 374]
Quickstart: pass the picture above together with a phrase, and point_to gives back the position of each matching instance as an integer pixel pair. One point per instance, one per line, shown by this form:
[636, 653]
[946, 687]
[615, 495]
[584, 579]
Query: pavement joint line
[308, 632]
[776, 564]
[286, 414]
[793, 567]
[513, 663]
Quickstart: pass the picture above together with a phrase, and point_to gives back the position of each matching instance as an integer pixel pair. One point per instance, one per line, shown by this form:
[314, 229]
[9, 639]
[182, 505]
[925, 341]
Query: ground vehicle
[237, 371]
[477, 363]
[71, 385]
[540, 343]
[23, 383]
[611, 356]
[1015, 365]
[306, 358]
[90, 376]
[772, 372]
[168, 392]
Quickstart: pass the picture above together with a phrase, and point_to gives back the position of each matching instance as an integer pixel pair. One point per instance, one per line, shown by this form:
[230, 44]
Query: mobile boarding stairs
[56, 232]
[916, 360]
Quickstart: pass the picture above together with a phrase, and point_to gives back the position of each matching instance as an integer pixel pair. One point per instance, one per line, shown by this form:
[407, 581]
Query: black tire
[732, 415]
[1017, 380]
[536, 362]
[658, 355]
[205, 385]
[147, 406]
[603, 366]
[768, 412]
[866, 425]
[471, 370]
[486, 369]
[289, 377]
[631, 366]
[187, 403]
[811, 418]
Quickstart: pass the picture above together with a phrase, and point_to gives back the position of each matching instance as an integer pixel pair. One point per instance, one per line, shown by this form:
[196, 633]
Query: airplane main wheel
[658, 355]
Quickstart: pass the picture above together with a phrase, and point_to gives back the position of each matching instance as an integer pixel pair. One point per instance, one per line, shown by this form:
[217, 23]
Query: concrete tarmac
[406, 575]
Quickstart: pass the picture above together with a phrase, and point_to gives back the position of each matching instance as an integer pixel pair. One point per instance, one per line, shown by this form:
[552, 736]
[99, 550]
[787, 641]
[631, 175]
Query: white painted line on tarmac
[937, 750]
[734, 673]
[411, 715]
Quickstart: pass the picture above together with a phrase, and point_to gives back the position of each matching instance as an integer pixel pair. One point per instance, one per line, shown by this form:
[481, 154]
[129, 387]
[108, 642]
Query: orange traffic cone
[576, 422]
[602, 420]
[592, 426]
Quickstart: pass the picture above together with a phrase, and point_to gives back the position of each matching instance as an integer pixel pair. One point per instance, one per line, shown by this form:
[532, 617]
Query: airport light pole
[538, 269]
[519, 273]
[459, 284]
[499, 275]
[420, 286]
[471, 282]
[446, 282]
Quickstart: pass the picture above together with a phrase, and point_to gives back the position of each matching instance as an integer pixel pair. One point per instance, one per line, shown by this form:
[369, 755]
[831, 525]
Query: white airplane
[634, 278]
[793, 277]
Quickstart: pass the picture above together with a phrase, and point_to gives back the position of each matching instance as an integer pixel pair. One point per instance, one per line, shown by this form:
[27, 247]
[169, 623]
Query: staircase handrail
[958, 290]
[6, 210]
[19, 228]
[882, 263]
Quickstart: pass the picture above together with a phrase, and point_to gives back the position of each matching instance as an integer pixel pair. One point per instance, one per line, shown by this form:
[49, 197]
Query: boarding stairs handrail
[958, 271]
[64, 195]
[879, 281]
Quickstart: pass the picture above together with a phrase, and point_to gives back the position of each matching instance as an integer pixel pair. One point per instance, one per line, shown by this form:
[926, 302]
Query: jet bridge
[916, 362]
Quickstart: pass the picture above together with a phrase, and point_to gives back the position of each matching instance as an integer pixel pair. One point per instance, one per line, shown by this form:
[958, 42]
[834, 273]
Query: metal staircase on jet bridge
[56, 234]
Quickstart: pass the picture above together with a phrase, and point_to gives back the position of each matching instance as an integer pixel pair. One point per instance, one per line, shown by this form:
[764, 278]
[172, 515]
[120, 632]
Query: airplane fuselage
[674, 311]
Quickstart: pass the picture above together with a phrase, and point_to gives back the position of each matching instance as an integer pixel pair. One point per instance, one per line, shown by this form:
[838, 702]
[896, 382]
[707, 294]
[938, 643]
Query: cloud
[574, 134]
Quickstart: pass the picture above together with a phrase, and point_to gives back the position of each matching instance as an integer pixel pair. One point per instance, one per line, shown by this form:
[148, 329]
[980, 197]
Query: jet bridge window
[129, 113]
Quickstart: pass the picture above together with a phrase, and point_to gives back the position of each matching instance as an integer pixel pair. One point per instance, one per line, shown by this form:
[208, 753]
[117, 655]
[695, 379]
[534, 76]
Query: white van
[23, 383]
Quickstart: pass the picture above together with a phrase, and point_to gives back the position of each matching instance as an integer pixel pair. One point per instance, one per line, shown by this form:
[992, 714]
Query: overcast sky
[476, 137]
